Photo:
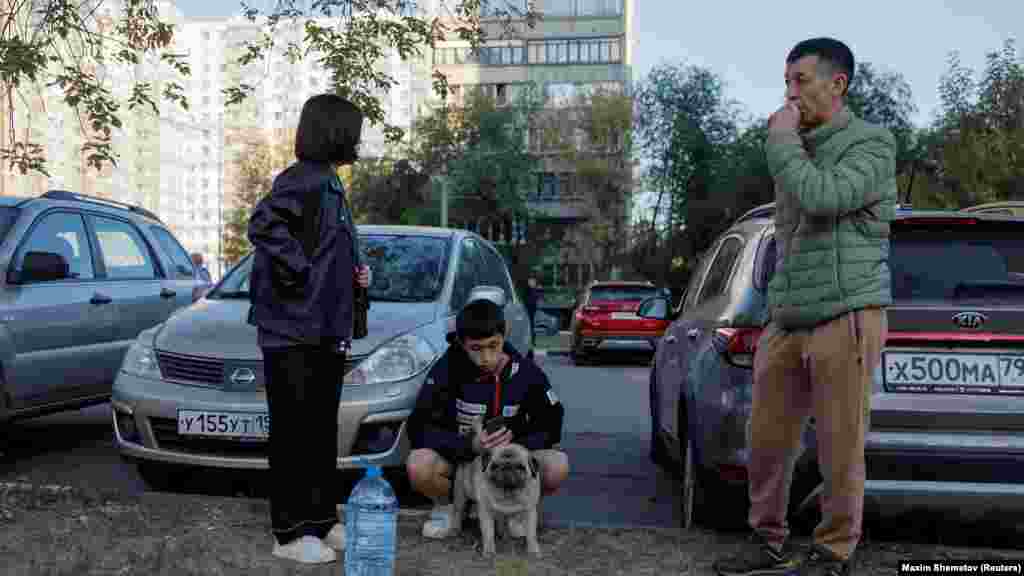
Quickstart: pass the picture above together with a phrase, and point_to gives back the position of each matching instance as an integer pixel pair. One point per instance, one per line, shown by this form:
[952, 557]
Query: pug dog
[504, 482]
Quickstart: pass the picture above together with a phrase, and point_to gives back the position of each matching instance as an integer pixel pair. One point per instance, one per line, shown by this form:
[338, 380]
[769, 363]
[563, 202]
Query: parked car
[191, 391]
[949, 390]
[605, 319]
[82, 277]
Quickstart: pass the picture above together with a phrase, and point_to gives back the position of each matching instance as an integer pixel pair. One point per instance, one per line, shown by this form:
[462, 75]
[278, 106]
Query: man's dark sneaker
[759, 558]
[820, 561]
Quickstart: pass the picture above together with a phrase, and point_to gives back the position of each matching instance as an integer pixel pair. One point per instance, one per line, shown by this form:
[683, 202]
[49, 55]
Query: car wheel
[160, 476]
[706, 500]
[804, 502]
[693, 496]
[659, 455]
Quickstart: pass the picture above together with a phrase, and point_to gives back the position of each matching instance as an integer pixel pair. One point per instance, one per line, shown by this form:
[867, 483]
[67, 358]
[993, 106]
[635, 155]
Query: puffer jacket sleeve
[859, 179]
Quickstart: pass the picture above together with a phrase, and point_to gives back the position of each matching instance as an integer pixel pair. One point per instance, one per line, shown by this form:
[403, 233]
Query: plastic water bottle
[371, 527]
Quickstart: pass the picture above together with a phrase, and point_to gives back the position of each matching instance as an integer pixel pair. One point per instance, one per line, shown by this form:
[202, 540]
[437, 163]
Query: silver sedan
[191, 390]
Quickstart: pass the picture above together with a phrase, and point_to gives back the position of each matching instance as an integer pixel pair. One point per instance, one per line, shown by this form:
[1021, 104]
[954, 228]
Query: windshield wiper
[235, 295]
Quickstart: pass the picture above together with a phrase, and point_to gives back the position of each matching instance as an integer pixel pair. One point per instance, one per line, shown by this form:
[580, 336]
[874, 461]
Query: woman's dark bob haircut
[329, 130]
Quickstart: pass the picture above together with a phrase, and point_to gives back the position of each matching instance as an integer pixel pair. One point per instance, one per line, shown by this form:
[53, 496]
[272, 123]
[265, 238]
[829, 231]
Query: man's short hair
[831, 52]
[329, 130]
[479, 320]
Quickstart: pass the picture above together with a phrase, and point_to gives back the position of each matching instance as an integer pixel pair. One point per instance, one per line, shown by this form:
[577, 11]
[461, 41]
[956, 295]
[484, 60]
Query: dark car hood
[218, 328]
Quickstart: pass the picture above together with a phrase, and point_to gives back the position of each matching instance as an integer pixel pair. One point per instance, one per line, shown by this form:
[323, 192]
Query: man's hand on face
[785, 119]
[485, 441]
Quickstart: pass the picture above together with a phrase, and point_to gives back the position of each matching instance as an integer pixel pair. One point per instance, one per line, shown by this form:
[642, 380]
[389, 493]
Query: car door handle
[670, 339]
[693, 333]
[167, 293]
[98, 298]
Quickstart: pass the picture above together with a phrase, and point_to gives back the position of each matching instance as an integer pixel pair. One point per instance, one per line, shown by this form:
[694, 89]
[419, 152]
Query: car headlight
[396, 360]
[140, 360]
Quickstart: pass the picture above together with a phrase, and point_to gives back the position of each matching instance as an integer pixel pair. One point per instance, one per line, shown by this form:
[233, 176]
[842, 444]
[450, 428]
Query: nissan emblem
[243, 376]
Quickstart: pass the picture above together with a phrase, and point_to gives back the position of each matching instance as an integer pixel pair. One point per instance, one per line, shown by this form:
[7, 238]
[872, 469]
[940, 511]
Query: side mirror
[655, 308]
[495, 294]
[41, 267]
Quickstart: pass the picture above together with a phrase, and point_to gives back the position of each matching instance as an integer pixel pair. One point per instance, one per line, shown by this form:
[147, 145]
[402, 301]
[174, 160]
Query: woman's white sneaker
[305, 550]
[335, 539]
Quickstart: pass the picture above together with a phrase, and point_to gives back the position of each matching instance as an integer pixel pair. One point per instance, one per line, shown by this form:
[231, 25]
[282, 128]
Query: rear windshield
[622, 293]
[975, 262]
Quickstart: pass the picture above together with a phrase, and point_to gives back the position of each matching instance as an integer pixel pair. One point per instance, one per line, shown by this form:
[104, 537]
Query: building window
[582, 51]
[486, 56]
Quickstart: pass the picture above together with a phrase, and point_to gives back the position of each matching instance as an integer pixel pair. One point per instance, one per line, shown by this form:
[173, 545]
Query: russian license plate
[953, 373]
[624, 316]
[247, 425]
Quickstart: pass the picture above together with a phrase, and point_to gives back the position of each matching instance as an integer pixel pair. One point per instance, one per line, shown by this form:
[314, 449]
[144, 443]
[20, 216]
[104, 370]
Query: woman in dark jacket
[305, 266]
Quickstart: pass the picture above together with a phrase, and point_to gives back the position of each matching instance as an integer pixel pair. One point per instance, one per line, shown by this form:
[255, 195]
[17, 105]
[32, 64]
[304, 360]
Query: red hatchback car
[605, 319]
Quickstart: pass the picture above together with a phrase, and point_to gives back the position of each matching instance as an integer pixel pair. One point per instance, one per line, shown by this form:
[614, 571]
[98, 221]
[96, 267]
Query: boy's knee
[420, 464]
[555, 470]
[423, 467]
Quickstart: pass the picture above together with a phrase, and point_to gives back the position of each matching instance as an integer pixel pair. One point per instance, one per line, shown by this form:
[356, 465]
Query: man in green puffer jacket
[835, 194]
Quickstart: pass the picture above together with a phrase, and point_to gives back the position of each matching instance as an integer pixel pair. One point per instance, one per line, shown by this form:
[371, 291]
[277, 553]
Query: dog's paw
[487, 551]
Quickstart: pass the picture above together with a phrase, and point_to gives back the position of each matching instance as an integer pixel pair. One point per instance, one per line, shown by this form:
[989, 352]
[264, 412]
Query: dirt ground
[76, 532]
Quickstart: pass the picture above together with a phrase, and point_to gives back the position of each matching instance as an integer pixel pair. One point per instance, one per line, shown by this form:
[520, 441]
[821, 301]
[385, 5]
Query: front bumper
[371, 423]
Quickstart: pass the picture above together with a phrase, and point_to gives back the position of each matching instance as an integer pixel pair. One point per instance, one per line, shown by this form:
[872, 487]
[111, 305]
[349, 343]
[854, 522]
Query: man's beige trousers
[825, 372]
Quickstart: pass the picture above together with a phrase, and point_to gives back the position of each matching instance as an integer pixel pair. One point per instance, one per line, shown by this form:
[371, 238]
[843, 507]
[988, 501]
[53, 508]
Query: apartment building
[577, 45]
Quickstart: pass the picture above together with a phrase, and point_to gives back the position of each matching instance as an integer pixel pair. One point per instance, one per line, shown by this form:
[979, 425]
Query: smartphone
[494, 424]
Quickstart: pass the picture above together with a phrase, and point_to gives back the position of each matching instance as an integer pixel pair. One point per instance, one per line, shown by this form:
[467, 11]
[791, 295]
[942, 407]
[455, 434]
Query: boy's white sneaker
[305, 550]
[440, 523]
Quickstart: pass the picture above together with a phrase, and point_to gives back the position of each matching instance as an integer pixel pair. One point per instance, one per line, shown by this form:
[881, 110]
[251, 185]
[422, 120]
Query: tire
[807, 480]
[706, 500]
[577, 357]
[658, 452]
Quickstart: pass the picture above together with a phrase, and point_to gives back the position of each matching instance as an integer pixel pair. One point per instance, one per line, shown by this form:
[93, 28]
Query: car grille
[165, 431]
[191, 369]
[211, 371]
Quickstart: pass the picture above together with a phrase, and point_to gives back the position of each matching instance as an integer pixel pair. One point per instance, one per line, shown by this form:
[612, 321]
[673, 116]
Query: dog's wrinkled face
[509, 467]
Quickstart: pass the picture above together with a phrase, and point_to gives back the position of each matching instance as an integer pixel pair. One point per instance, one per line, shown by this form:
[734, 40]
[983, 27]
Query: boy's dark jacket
[453, 395]
[303, 293]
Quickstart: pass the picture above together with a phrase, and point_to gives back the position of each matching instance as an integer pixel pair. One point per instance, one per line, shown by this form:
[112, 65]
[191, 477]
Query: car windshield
[405, 269]
[8, 216]
[622, 293]
[987, 261]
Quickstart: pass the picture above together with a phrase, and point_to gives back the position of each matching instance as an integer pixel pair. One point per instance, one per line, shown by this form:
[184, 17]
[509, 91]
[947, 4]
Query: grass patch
[81, 534]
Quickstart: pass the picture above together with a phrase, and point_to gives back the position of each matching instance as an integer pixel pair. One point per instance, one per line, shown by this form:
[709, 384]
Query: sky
[746, 41]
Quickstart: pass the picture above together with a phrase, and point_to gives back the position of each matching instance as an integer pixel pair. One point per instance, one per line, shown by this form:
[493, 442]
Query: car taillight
[740, 345]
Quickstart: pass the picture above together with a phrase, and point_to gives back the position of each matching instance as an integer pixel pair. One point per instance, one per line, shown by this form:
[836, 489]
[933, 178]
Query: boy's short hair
[480, 319]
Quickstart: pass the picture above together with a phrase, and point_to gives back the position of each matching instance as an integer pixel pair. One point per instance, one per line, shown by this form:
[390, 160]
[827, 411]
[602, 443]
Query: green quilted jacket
[835, 195]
